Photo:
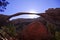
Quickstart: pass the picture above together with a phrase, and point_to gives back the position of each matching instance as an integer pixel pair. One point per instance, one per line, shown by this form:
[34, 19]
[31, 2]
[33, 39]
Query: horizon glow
[33, 6]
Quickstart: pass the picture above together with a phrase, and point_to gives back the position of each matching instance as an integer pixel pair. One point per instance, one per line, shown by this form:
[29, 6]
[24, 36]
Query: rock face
[36, 31]
[52, 15]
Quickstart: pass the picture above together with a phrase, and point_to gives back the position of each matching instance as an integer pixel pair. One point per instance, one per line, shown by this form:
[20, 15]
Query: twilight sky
[30, 5]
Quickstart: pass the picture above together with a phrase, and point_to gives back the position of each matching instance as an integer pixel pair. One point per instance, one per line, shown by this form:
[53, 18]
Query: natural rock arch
[4, 19]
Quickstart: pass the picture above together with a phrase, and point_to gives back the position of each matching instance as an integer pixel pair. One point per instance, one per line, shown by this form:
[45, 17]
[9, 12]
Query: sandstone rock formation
[52, 15]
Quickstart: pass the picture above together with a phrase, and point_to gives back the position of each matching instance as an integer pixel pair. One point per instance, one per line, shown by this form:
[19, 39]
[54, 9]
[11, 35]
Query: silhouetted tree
[3, 4]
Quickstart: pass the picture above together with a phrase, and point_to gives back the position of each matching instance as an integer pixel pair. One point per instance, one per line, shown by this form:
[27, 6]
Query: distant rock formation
[51, 19]
[52, 15]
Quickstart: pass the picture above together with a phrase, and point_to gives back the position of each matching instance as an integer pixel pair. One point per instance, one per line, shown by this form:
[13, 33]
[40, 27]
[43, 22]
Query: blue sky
[30, 5]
